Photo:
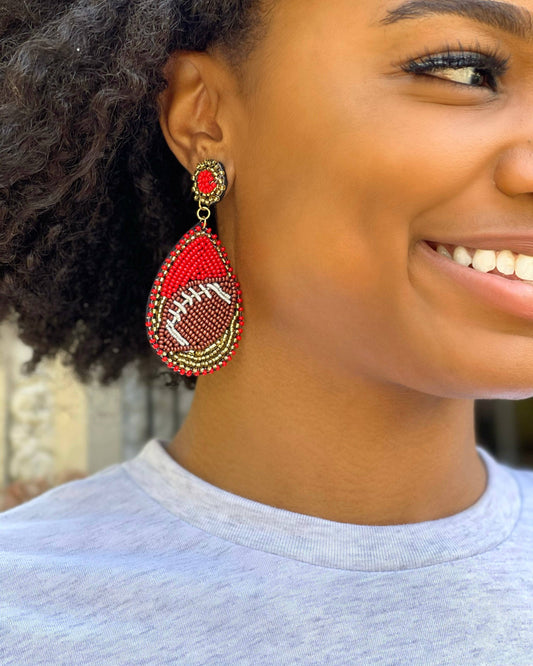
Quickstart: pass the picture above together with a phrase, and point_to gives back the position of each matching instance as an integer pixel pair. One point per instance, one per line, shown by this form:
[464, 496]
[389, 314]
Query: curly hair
[91, 197]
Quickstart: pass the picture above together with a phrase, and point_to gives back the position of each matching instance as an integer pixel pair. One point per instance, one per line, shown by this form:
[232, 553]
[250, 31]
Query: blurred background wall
[53, 429]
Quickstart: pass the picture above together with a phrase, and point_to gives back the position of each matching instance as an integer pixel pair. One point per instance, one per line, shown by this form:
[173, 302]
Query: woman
[325, 501]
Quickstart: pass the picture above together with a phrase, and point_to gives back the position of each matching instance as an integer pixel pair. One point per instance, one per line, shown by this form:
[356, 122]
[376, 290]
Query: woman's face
[372, 127]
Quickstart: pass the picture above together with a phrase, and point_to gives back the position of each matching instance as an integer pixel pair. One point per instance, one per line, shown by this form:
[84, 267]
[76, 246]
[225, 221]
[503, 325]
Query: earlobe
[188, 107]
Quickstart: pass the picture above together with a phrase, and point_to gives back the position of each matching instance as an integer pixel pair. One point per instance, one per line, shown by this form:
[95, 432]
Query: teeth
[442, 250]
[524, 267]
[484, 260]
[462, 256]
[505, 262]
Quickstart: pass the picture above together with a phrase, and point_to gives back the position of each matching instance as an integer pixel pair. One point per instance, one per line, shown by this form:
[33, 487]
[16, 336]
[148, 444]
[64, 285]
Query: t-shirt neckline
[477, 529]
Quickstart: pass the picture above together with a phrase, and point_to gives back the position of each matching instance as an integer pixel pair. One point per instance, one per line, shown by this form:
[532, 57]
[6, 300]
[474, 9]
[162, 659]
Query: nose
[513, 174]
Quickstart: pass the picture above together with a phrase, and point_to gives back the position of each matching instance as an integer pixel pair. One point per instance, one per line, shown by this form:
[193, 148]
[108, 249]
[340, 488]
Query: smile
[479, 279]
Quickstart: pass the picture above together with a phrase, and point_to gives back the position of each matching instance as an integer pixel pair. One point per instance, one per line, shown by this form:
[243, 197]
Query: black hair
[91, 197]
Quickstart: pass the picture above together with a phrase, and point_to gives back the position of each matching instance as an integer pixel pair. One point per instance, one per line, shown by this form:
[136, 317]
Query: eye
[466, 68]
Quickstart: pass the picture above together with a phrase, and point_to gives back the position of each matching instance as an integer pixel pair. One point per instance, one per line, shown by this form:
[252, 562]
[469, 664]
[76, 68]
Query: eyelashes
[474, 69]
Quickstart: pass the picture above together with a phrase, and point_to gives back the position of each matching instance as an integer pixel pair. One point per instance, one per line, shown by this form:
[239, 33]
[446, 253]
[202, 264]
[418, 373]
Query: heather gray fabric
[145, 563]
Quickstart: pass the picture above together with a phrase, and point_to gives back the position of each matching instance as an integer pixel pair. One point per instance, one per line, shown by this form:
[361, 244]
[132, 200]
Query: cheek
[331, 204]
[325, 257]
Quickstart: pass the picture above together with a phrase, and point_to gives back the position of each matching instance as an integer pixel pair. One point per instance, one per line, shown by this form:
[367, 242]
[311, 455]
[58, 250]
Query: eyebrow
[501, 15]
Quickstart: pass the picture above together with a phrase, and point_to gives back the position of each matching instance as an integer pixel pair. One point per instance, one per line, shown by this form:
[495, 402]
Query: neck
[347, 451]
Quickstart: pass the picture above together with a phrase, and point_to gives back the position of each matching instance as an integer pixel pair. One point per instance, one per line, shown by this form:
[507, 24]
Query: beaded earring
[194, 314]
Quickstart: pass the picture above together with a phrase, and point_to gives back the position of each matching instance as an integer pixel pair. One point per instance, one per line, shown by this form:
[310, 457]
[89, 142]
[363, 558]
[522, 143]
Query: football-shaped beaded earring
[194, 313]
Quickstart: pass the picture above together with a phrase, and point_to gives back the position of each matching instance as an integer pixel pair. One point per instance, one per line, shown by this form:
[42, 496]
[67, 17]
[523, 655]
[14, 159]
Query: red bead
[205, 181]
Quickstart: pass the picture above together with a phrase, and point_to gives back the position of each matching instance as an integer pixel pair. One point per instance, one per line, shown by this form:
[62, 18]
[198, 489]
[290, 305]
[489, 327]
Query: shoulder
[523, 474]
[524, 478]
[76, 515]
[65, 498]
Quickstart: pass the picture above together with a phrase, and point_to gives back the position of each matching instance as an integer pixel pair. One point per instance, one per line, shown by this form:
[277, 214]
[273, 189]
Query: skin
[351, 396]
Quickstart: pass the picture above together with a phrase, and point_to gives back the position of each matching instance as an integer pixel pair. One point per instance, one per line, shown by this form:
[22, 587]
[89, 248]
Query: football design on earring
[194, 314]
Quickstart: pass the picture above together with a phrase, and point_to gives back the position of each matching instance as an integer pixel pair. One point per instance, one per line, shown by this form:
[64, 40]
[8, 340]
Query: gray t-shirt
[145, 563]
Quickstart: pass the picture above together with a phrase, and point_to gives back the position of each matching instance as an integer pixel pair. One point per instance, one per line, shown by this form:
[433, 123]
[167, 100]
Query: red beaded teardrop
[194, 314]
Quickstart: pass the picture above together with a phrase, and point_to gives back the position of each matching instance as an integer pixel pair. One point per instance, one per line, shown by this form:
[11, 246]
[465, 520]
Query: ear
[191, 116]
